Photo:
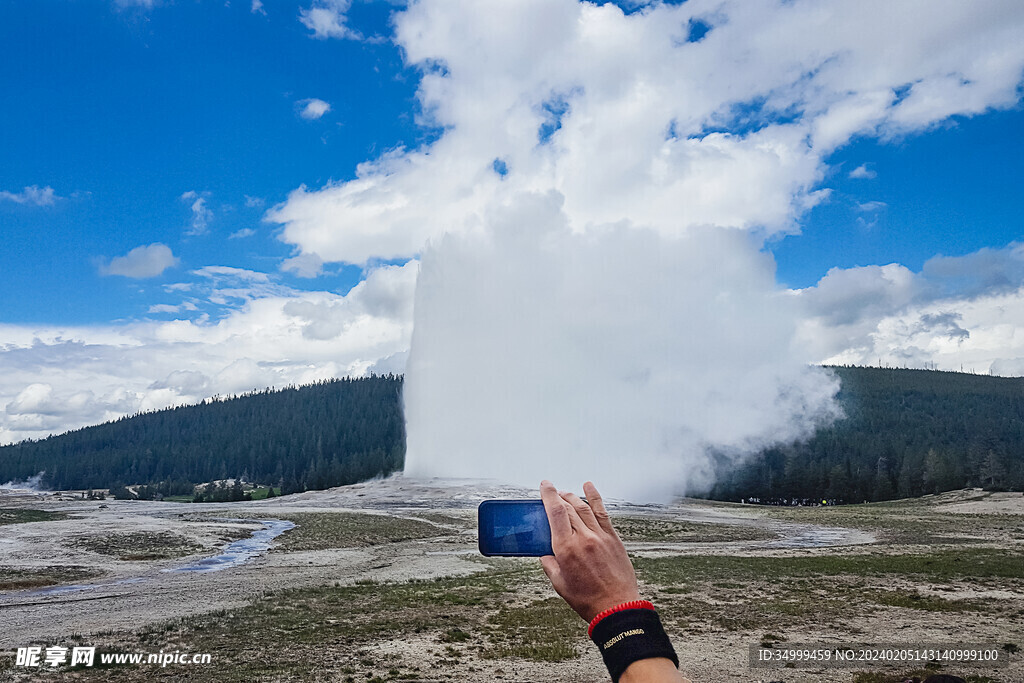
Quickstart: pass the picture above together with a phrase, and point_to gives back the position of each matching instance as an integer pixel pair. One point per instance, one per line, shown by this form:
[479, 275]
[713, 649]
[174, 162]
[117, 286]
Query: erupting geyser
[617, 355]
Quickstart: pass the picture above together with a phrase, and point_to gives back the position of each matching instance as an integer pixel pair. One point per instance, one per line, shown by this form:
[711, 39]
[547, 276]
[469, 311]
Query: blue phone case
[513, 528]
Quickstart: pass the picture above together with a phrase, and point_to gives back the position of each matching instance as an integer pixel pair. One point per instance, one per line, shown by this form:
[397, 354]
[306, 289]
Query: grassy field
[13, 578]
[24, 515]
[324, 530]
[654, 529]
[506, 614]
[929, 567]
[138, 546]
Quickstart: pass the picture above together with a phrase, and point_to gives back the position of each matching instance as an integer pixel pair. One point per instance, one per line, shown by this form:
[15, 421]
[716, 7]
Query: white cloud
[254, 202]
[326, 18]
[32, 194]
[257, 8]
[313, 108]
[219, 272]
[178, 287]
[623, 125]
[863, 172]
[386, 293]
[871, 207]
[239, 234]
[619, 125]
[974, 335]
[304, 265]
[620, 115]
[957, 311]
[58, 378]
[169, 308]
[141, 262]
[229, 287]
[201, 215]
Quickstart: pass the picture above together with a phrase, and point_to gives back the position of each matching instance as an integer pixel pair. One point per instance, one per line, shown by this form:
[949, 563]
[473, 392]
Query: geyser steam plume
[617, 355]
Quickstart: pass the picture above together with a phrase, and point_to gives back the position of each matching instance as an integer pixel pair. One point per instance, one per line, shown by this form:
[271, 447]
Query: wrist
[630, 634]
[601, 603]
[629, 604]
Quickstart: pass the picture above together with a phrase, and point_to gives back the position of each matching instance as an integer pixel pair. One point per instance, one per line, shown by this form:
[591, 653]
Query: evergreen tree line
[906, 433]
[332, 433]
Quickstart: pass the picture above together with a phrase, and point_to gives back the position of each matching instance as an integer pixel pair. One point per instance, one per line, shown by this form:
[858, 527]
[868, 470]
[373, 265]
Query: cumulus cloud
[58, 378]
[201, 215]
[141, 262]
[326, 19]
[632, 123]
[974, 335]
[645, 164]
[386, 293]
[862, 172]
[38, 399]
[956, 312]
[312, 108]
[33, 195]
[304, 265]
[984, 271]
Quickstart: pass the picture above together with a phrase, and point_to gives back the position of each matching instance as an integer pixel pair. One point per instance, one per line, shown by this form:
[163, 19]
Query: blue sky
[123, 110]
[951, 191]
[242, 188]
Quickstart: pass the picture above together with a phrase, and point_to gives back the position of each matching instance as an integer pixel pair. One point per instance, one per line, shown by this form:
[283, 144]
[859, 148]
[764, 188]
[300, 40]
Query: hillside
[327, 434]
[907, 433]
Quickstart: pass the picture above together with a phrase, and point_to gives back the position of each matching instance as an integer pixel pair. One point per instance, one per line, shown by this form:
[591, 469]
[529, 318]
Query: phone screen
[513, 528]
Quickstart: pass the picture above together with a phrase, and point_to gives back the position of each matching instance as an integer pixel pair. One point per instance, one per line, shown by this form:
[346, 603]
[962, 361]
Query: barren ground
[381, 582]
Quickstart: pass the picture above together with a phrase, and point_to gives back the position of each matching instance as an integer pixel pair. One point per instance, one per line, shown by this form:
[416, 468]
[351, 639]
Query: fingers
[586, 515]
[597, 505]
[550, 566]
[558, 513]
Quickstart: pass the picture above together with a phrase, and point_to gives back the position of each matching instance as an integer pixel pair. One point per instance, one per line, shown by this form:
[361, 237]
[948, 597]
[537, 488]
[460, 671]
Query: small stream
[234, 554]
[239, 552]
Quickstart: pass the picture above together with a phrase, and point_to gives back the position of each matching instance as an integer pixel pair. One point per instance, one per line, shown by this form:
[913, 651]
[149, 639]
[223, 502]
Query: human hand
[590, 568]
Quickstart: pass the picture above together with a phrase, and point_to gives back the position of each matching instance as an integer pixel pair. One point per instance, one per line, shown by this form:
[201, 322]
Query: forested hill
[907, 433]
[328, 434]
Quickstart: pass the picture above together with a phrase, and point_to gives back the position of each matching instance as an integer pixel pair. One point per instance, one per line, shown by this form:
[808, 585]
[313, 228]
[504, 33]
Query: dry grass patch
[323, 530]
[138, 546]
[672, 531]
[14, 578]
[23, 515]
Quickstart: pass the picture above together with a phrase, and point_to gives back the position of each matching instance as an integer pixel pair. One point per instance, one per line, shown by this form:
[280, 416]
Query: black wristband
[631, 635]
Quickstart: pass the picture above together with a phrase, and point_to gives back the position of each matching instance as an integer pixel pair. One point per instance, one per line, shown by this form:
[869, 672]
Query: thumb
[553, 571]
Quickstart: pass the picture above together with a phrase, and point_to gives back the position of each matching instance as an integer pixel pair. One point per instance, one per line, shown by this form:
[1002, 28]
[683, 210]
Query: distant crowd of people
[791, 502]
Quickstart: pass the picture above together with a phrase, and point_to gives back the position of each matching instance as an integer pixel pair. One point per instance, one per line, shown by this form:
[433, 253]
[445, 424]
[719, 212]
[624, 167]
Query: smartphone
[513, 528]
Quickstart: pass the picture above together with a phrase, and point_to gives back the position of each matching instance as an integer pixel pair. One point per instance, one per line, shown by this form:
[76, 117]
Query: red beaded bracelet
[634, 604]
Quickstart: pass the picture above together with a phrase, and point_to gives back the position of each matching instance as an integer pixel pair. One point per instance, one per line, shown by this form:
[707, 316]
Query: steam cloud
[593, 302]
[30, 484]
[618, 355]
